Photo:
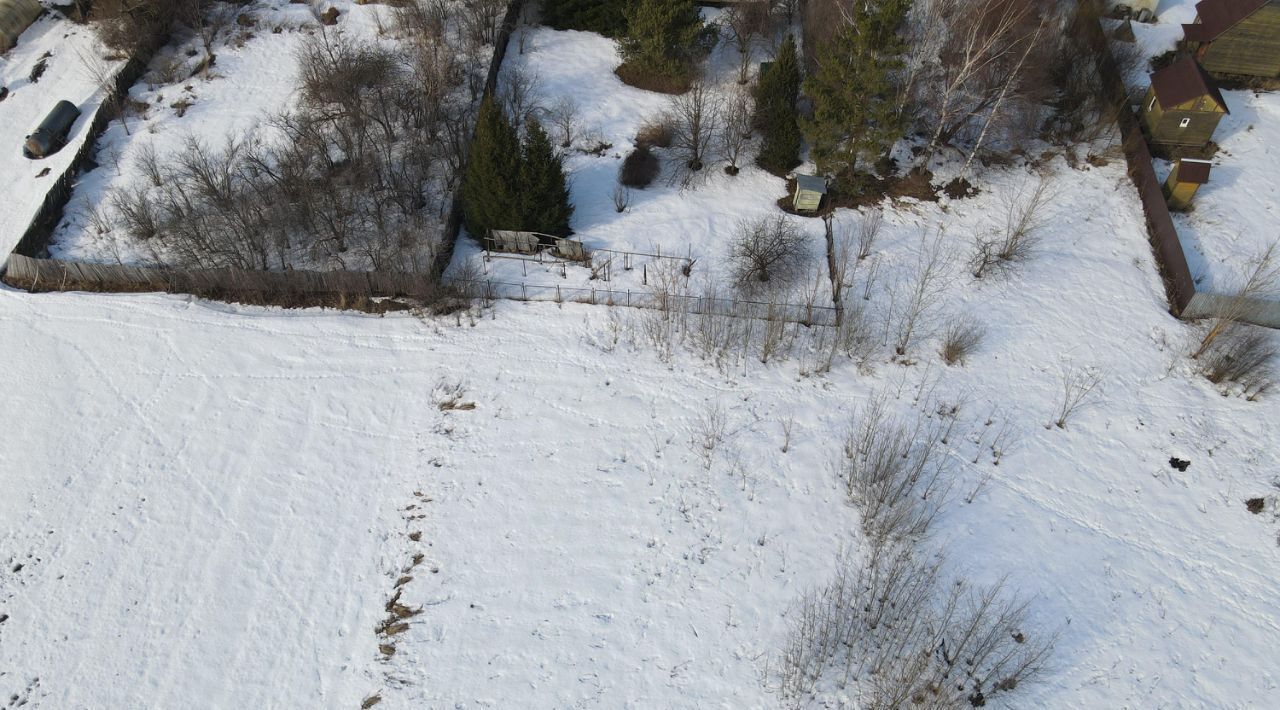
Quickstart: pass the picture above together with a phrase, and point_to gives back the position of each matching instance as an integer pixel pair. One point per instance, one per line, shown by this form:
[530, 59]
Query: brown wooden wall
[1164, 126]
[1251, 48]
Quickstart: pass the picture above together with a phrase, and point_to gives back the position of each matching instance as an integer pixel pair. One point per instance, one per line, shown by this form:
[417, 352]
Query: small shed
[809, 192]
[1183, 105]
[1186, 177]
[15, 17]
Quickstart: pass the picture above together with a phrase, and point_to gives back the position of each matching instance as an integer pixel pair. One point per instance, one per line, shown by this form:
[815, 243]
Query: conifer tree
[776, 95]
[544, 194]
[491, 182]
[606, 17]
[661, 38]
[854, 97]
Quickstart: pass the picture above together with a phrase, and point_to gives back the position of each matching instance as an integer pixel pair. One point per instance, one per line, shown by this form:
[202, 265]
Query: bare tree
[919, 294]
[695, 115]
[621, 198]
[1011, 88]
[868, 231]
[1020, 232]
[767, 249]
[519, 92]
[480, 21]
[563, 116]
[892, 632]
[897, 473]
[734, 129]
[1077, 387]
[967, 58]
[745, 22]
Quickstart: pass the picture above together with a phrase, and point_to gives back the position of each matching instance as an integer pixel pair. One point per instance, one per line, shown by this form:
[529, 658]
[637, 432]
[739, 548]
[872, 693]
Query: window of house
[1184, 123]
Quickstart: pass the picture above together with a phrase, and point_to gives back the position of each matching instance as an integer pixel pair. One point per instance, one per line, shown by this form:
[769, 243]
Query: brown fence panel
[1180, 285]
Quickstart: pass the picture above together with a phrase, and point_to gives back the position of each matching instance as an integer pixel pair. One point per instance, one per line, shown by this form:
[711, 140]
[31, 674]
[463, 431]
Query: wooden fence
[38, 274]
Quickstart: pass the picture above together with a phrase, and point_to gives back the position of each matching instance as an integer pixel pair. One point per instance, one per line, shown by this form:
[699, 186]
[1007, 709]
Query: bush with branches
[353, 177]
[1020, 231]
[640, 168]
[767, 250]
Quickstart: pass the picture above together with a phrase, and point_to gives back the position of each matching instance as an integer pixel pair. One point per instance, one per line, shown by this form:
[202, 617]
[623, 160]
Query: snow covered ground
[209, 506]
[72, 50]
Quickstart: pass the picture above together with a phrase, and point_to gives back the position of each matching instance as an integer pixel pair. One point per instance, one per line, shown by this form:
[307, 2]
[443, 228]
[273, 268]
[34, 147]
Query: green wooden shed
[809, 192]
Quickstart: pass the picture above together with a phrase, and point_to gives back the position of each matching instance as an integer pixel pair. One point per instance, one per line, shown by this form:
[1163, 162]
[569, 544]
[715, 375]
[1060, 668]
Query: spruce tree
[606, 17]
[491, 182]
[544, 194]
[776, 94]
[661, 40]
[855, 113]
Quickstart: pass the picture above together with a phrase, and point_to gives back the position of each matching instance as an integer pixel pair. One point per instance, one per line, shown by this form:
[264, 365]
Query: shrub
[640, 168]
[962, 337]
[656, 132]
[1242, 354]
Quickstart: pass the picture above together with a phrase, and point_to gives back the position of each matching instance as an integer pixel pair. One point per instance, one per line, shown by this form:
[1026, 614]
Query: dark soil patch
[37, 71]
[652, 82]
[1175, 152]
[959, 188]
[867, 189]
[1255, 505]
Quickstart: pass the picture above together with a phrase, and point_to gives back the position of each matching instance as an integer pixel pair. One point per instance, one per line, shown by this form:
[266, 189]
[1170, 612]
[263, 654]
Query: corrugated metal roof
[1194, 171]
[1218, 16]
[1182, 81]
[812, 183]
